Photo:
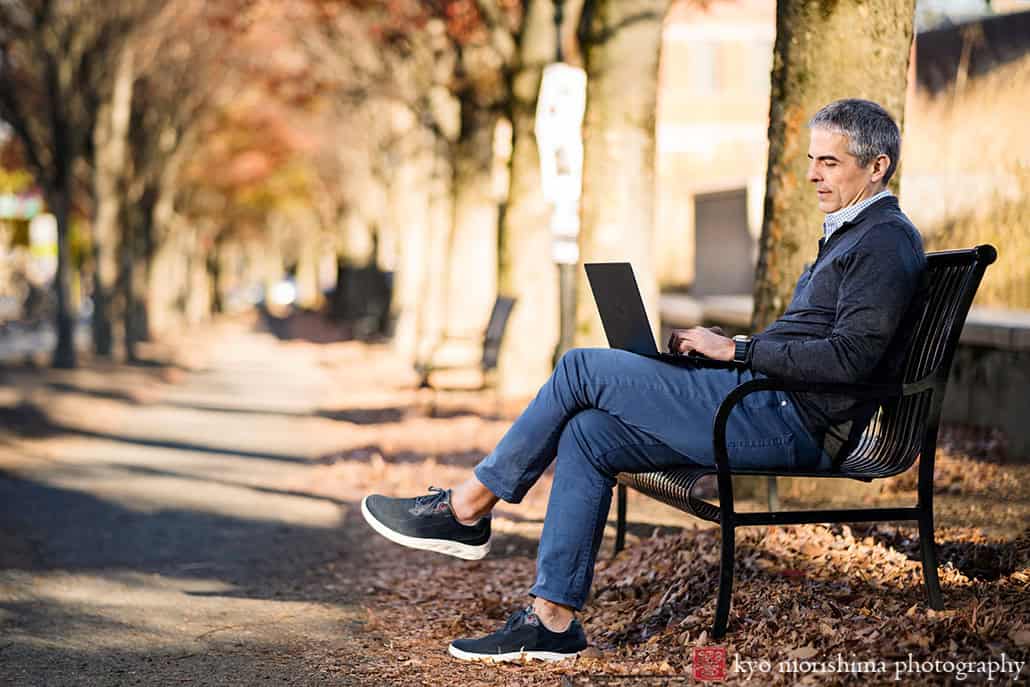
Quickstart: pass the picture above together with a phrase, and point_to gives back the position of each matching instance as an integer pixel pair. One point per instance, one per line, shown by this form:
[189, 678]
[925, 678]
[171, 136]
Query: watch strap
[742, 350]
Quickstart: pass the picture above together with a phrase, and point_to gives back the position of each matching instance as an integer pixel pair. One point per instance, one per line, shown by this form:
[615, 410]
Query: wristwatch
[742, 349]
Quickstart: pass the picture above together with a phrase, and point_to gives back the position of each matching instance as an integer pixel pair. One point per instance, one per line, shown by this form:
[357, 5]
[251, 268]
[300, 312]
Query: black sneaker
[427, 523]
[523, 636]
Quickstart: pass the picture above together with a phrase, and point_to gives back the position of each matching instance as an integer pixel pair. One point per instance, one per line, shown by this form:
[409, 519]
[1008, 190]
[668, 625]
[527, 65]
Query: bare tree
[57, 65]
[526, 270]
[622, 44]
[187, 65]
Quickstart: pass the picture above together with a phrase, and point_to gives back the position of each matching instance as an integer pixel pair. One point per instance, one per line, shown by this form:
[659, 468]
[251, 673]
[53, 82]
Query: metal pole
[567, 296]
[559, 13]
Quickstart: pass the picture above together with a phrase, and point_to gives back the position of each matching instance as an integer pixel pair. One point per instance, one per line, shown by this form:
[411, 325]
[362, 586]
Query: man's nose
[813, 175]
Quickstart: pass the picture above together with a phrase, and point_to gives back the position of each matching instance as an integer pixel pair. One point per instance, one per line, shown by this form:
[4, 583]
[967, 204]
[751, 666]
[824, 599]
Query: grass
[966, 171]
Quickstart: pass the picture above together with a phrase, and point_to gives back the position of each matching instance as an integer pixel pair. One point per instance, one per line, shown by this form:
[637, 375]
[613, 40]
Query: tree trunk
[621, 47]
[64, 353]
[472, 255]
[197, 296]
[410, 196]
[137, 261]
[126, 283]
[135, 313]
[216, 275]
[165, 285]
[307, 239]
[806, 76]
[526, 270]
[110, 138]
[432, 308]
[166, 270]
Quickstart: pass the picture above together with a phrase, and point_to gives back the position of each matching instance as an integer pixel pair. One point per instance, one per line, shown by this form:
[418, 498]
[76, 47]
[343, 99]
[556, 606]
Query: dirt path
[150, 535]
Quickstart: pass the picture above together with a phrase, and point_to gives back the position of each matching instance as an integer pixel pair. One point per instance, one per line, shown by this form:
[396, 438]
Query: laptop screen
[621, 307]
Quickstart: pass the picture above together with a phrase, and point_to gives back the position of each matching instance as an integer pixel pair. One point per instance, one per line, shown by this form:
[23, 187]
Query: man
[608, 411]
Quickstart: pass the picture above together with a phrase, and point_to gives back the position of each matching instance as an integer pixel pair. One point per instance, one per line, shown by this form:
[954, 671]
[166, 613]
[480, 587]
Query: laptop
[624, 318]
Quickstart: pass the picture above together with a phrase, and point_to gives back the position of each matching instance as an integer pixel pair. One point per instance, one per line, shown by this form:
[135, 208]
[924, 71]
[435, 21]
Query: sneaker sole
[509, 657]
[468, 552]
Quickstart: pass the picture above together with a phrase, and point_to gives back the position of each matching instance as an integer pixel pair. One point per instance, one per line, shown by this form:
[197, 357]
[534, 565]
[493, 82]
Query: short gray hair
[868, 127]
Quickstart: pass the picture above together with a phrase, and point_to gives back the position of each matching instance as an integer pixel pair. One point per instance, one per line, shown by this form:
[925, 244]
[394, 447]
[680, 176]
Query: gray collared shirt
[835, 220]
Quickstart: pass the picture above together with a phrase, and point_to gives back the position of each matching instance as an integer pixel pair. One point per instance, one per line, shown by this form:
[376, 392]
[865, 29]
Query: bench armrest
[866, 392]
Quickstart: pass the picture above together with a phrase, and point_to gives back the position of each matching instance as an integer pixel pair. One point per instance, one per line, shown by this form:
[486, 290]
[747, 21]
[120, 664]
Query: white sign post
[559, 124]
[559, 136]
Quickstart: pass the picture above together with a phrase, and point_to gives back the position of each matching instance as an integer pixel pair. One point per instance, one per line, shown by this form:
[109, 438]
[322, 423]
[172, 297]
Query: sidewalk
[148, 534]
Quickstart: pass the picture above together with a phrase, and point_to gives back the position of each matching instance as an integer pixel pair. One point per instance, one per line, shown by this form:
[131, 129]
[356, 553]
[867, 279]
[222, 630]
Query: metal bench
[492, 338]
[904, 429]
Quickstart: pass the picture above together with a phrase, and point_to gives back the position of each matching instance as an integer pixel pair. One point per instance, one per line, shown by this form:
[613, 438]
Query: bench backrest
[495, 331]
[902, 429]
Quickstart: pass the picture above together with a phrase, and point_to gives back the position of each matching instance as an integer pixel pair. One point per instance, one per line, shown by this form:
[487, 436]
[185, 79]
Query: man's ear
[881, 163]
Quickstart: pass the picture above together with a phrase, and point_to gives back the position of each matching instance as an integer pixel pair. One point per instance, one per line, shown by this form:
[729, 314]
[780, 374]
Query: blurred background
[375, 165]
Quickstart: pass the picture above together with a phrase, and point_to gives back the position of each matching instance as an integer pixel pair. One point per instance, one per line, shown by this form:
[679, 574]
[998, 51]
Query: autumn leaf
[804, 652]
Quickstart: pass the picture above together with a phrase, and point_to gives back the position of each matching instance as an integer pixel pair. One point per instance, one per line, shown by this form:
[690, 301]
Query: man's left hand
[701, 340]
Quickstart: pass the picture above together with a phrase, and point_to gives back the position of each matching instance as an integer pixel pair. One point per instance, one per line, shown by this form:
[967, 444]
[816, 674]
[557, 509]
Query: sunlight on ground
[123, 610]
[175, 482]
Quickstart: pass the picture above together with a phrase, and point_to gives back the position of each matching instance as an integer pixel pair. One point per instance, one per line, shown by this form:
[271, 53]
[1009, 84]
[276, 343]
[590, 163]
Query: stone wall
[989, 385]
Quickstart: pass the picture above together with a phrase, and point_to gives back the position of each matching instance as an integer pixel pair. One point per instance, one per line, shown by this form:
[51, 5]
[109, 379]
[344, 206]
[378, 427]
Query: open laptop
[624, 318]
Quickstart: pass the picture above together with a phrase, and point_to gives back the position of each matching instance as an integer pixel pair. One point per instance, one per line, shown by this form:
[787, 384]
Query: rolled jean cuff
[494, 484]
[557, 598]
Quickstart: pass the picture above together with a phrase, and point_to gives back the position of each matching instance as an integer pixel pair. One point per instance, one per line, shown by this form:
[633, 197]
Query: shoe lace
[428, 502]
[518, 618]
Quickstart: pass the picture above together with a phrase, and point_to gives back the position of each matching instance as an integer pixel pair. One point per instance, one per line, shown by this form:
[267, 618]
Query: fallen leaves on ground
[802, 595]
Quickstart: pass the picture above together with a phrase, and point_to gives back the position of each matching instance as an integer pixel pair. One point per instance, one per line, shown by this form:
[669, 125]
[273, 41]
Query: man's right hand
[686, 341]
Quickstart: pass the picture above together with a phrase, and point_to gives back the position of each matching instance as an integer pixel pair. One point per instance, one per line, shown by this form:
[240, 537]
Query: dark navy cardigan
[849, 320]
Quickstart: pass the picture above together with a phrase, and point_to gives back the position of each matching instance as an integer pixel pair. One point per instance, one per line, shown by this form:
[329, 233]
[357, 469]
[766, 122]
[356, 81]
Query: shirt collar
[835, 220]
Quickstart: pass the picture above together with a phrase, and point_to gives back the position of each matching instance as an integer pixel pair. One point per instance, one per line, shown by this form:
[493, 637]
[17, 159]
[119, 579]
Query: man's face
[839, 180]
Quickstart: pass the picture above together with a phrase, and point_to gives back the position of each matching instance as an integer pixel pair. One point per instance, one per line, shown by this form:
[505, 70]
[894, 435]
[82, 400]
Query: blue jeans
[606, 411]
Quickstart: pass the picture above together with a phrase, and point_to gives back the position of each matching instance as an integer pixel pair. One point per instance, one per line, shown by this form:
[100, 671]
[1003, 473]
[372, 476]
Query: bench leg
[620, 518]
[722, 607]
[928, 550]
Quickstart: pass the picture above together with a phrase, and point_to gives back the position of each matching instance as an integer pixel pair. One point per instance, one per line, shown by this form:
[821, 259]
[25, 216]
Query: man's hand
[709, 342]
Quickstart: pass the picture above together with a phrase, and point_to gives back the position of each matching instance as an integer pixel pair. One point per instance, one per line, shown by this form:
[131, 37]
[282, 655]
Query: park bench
[904, 429]
[492, 338]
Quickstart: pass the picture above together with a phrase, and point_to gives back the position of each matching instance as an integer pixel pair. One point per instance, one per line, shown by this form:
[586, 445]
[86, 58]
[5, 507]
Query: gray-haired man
[608, 411]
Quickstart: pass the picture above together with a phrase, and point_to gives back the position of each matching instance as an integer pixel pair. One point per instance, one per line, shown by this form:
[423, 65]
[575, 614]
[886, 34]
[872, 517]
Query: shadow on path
[155, 472]
[74, 531]
[366, 453]
[27, 419]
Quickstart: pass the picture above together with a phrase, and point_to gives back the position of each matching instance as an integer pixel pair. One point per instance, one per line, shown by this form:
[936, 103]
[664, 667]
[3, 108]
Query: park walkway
[148, 532]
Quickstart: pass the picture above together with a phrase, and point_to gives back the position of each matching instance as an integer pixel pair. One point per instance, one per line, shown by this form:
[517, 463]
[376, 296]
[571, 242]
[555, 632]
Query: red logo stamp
[710, 663]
